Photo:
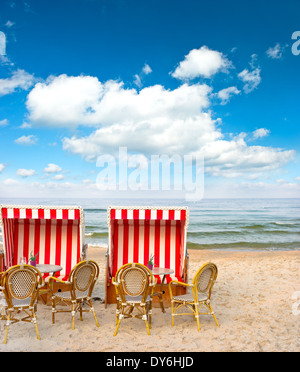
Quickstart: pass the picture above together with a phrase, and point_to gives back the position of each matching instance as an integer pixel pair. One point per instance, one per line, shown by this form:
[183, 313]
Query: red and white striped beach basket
[55, 233]
[136, 233]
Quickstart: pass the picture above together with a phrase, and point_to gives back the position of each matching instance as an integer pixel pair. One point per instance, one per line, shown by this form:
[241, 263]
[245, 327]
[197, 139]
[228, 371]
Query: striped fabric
[55, 234]
[148, 214]
[137, 233]
[40, 213]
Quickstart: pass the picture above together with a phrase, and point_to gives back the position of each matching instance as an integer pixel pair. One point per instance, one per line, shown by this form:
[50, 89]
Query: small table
[45, 269]
[164, 272]
[48, 268]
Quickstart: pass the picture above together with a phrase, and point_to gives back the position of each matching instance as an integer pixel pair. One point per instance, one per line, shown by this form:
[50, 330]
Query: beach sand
[254, 299]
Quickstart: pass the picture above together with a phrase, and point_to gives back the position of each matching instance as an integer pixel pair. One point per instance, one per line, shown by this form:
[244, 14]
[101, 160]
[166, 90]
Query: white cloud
[25, 125]
[260, 133]
[52, 168]
[83, 100]
[202, 62]
[226, 94]
[137, 81]
[26, 172]
[10, 182]
[4, 123]
[20, 80]
[276, 52]
[2, 44]
[138, 78]
[27, 140]
[58, 177]
[66, 101]
[147, 69]
[251, 79]
[2, 166]
[154, 120]
[9, 24]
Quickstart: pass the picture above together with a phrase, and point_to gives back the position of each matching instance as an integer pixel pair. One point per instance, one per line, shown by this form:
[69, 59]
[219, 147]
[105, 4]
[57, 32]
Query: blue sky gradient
[112, 59]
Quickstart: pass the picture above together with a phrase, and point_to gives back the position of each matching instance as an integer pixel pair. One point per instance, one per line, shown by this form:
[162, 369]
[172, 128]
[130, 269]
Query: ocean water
[232, 224]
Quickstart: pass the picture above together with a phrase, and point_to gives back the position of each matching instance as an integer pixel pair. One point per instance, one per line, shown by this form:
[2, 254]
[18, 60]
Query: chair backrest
[55, 233]
[134, 280]
[136, 233]
[20, 284]
[83, 277]
[205, 278]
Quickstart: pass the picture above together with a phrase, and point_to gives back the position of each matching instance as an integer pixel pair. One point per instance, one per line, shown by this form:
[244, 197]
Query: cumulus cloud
[84, 100]
[260, 133]
[66, 101]
[227, 93]
[27, 140]
[202, 62]
[26, 172]
[52, 168]
[147, 69]
[2, 166]
[58, 177]
[2, 43]
[20, 79]
[276, 52]
[4, 123]
[154, 120]
[251, 79]
[9, 24]
[138, 78]
[10, 182]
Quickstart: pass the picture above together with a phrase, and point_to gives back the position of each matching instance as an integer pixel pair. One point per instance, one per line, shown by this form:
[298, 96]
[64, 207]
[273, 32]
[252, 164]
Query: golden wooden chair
[20, 285]
[79, 288]
[201, 293]
[134, 284]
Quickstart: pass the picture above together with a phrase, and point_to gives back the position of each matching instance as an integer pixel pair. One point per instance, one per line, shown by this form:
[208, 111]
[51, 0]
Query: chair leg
[80, 311]
[53, 310]
[118, 323]
[197, 317]
[172, 312]
[36, 326]
[150, 314]
[146, 320]
[213, 314]
[73, 314]
[93, 311]
[7, 327]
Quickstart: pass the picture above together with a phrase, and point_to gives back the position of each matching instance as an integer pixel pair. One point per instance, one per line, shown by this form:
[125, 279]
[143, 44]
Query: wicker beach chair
[79, 287]
[20, 285]
[201, 293]
[134, 284]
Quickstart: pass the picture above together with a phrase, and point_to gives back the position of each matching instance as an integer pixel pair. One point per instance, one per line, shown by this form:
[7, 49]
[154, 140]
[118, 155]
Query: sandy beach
[254, 299]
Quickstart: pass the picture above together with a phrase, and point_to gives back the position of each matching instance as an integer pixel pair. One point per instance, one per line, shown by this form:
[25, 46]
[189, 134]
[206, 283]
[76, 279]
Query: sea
[219, 224]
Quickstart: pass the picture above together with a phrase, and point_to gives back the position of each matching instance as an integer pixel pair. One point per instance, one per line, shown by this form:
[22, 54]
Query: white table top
[47, 268]
[161, 271]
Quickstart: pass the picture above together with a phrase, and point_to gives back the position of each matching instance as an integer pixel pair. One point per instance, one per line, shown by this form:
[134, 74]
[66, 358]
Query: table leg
[160, 294]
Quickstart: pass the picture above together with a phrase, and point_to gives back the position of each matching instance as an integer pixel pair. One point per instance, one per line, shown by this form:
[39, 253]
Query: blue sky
[81, 78]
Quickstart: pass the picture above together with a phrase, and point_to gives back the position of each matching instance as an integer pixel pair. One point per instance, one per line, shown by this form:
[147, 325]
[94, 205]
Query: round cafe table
[161, 271]
[48, 268]
[45, 269]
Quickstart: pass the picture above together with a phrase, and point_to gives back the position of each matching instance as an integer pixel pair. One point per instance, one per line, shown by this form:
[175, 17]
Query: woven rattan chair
[201, 292]
[20, 285]
[134, 284]
[80, 286]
